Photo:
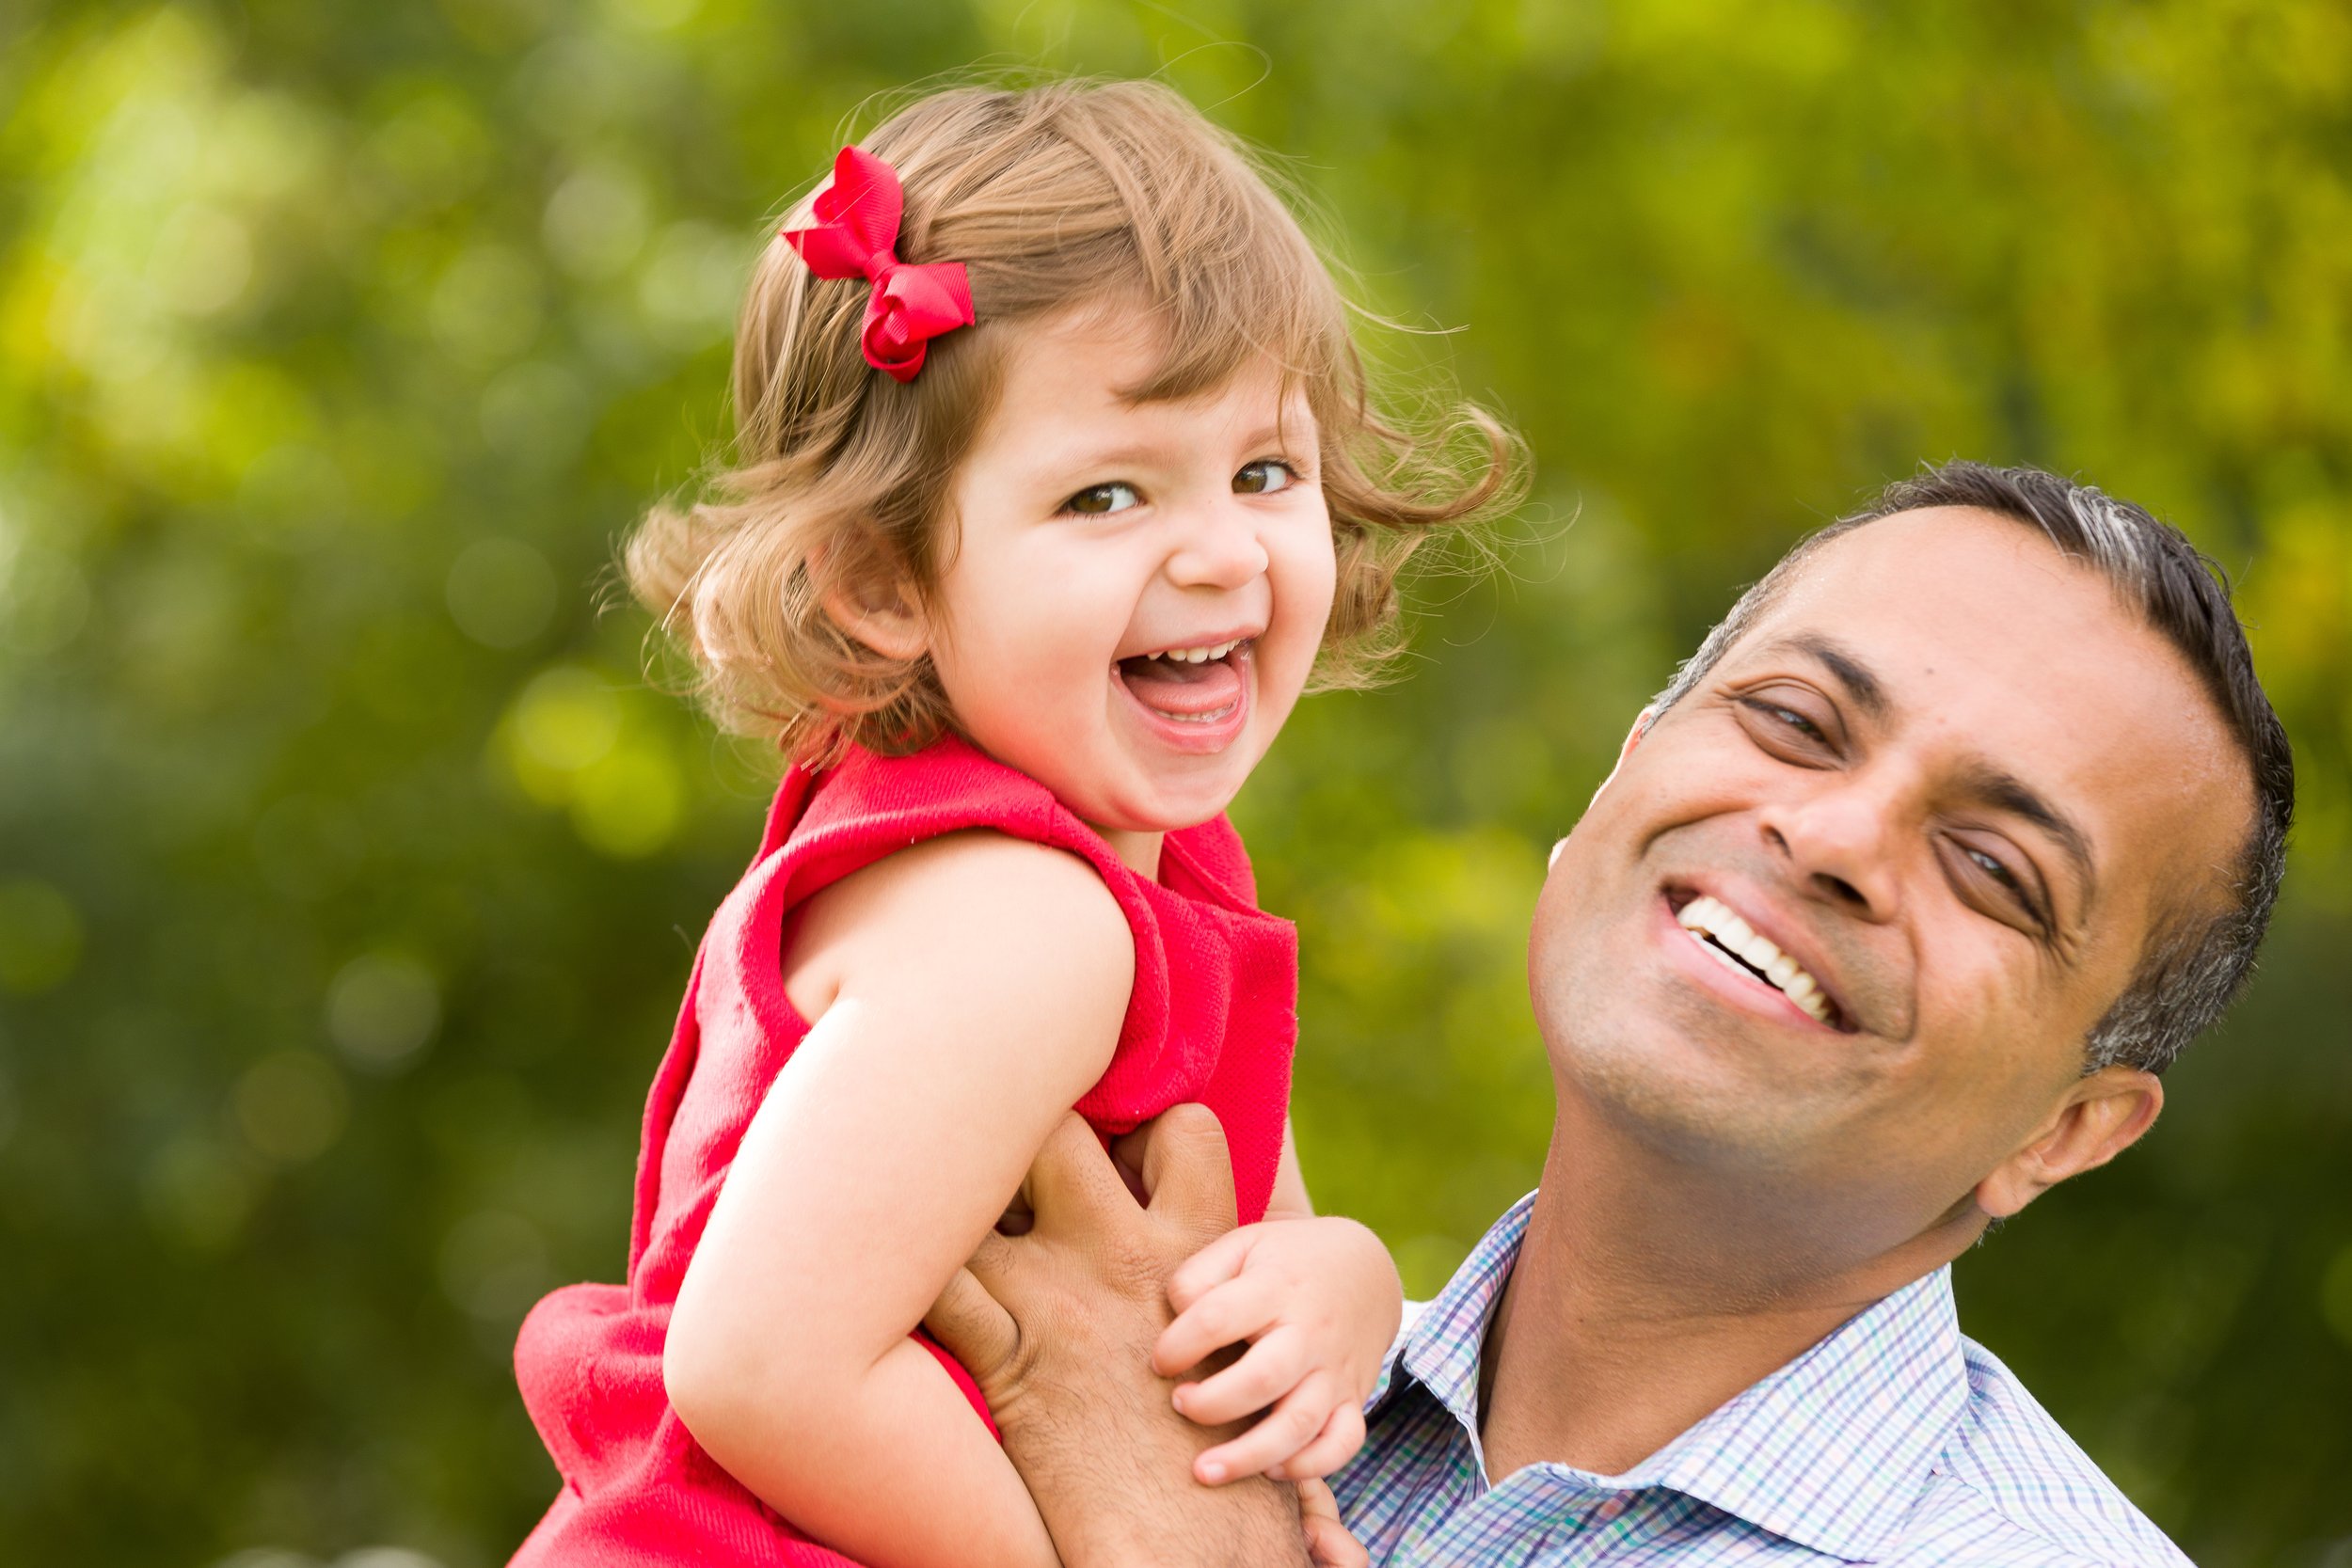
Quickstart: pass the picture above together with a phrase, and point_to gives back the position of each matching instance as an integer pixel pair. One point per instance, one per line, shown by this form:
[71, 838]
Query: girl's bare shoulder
[970, 918]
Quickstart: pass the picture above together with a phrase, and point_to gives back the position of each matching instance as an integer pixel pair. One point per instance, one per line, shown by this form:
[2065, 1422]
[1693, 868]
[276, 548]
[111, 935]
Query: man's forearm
[1057, 1326]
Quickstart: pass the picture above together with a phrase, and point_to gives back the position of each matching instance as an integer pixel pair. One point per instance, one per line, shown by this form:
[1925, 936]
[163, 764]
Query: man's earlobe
[2104, 1114]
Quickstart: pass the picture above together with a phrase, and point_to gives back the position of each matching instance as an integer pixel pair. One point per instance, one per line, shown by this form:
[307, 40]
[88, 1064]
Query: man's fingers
[1281, 1432]
[1328, 1543]
[1211, 1266]
[1272, 1367]
[1072, 1181]
[968, 1322]
[1226, 1316]
[1187, 1169]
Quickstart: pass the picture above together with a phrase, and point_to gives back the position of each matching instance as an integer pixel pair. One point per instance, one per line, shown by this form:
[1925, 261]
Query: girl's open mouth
[1201, 685]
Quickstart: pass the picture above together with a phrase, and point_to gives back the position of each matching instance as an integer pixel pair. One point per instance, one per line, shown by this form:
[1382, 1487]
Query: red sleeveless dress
[1213, 1019]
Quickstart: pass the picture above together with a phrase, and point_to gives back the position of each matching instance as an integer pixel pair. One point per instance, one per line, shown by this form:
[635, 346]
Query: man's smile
[1756, 964]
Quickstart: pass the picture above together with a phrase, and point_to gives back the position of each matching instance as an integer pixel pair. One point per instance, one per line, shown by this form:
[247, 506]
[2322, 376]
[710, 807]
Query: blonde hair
[1052, 197]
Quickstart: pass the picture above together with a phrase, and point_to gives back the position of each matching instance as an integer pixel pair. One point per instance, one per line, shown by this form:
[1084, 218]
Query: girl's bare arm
[964, 992]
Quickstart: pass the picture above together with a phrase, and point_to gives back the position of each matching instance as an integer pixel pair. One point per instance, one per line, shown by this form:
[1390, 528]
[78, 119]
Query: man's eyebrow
[1852, 674]
[1993, 785]
[2005, 792]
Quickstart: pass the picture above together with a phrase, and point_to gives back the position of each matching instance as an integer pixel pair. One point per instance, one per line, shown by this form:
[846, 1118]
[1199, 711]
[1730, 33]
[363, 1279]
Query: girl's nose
[1217, 547]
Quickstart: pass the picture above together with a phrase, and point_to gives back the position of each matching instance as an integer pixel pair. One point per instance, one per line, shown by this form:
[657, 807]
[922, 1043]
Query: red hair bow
[855, 235]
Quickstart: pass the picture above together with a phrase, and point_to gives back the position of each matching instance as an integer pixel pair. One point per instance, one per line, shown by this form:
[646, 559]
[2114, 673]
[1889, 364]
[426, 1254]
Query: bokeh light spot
[567, 720]
[267, 1556]
[690, 288]
[290, 1107]
[595, 223]
[199, 1194]
[382, 1009]
[486, 309]
[629, 804]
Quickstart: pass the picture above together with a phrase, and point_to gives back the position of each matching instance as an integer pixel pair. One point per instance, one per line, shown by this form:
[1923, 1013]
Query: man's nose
[1217, 547]
[1841, 842]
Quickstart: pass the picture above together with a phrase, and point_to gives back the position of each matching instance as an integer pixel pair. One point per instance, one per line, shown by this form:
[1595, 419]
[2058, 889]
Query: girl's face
[1137, 589]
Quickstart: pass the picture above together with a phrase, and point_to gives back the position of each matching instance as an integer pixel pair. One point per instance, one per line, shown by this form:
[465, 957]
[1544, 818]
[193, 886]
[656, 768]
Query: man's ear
[1633, 737]
[884, 614]
[1641, 723]
[2102, 1115]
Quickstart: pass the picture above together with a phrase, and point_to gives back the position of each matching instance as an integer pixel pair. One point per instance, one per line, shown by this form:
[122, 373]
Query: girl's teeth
[1201, 655]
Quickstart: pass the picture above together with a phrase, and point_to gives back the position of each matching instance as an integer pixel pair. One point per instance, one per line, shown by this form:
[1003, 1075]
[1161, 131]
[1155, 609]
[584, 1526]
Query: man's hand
[1057, 1327]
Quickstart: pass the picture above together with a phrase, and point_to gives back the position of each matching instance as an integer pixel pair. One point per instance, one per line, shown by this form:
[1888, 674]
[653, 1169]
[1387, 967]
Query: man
[1897, 904]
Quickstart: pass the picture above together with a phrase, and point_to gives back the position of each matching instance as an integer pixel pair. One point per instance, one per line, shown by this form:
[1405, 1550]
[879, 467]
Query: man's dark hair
[2195, 962]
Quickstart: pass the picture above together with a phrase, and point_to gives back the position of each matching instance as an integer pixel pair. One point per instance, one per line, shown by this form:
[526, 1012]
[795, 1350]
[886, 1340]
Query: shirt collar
[1831, 1451]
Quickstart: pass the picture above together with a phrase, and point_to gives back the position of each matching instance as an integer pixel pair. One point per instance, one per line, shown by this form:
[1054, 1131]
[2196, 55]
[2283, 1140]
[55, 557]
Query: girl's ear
[884, 614]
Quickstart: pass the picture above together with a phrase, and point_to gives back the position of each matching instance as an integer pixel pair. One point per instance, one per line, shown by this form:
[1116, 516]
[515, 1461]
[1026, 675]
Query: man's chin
[1685, 1106]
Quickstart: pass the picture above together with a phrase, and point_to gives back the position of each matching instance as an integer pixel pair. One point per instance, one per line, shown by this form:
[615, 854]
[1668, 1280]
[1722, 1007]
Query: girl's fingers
[1228, 1314]
[1211, 1266]
[1272, 1367]
[1280, 1432]
[1331, 1447]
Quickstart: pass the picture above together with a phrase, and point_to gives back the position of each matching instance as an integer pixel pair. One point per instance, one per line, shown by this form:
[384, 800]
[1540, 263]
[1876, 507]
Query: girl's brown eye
[1100, 501]
[1265, 478]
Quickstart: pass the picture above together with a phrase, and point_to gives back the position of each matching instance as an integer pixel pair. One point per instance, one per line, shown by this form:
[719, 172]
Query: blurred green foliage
[350, 865]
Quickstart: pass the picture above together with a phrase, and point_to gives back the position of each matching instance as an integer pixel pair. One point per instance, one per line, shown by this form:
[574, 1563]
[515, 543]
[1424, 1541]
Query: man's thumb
[972, 1327]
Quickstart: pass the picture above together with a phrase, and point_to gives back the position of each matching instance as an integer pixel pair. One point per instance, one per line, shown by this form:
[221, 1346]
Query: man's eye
[1786, 717]
[1263, 478]
[1997, 868]
[1098, 500]
[1993, 867]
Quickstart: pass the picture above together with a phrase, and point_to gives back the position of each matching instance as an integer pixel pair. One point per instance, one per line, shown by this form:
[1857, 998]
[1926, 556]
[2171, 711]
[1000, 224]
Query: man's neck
[1643, 1299]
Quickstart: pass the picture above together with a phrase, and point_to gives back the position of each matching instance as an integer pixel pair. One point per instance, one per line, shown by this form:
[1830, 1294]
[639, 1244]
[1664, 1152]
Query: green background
[350, 862]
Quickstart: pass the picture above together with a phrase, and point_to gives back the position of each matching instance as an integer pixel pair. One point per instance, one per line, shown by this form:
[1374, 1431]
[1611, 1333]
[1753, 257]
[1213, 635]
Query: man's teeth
[1733, 938]
[1199, 656]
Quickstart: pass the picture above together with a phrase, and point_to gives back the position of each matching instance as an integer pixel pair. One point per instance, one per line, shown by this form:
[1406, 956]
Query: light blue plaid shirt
[1894, 1441]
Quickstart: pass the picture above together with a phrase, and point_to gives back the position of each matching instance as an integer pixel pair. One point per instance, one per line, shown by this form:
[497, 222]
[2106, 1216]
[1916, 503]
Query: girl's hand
[1318, 1301]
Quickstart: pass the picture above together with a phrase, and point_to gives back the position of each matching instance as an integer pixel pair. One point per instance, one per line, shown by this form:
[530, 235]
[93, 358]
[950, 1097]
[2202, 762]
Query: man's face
[1952, 779]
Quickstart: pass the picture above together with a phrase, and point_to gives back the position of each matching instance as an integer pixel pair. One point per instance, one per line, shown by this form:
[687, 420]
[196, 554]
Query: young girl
[1055, 474]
